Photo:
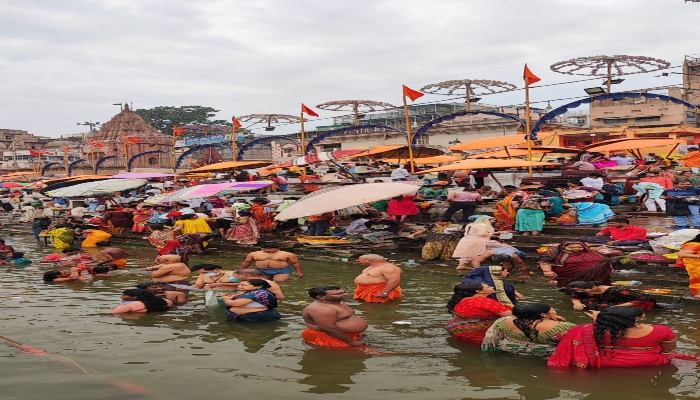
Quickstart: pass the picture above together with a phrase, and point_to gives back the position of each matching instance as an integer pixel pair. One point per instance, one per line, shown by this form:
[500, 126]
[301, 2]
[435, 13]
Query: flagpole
[174, 155]
[527, 124]
[126, 157]
[303, 134]
[233, 139]
[408, 133]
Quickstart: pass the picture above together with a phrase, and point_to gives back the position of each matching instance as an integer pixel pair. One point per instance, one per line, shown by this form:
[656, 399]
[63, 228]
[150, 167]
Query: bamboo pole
[409, 137]
[303, 134]
[527, 125]
[174, 155]
[233, 141]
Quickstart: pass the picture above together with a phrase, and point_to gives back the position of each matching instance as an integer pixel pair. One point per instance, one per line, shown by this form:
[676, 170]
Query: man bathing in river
[170, 270]
[379, 282]
[114, 255]
[274, 263]
[158, 289]
[330, 322]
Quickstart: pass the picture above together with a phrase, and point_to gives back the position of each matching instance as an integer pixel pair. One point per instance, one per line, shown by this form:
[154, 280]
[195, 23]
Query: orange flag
[236, 122]
[178, 130]
[529, 77]
[305, 109]
[412, 94]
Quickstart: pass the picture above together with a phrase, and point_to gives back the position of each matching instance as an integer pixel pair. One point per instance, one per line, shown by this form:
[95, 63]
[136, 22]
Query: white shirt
[595, 183]
[400, 173]
[623, 160]
[357, 225]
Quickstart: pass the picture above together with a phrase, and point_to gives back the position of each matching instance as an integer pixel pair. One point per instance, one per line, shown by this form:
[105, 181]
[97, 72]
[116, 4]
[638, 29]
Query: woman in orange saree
[505, 212]
[263, 213]
[689, 257]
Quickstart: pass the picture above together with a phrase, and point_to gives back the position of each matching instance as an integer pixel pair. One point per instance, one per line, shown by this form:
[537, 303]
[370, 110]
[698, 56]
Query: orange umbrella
[632, 144]
[488, 164]
[397, 152]
[521, 151]
[230, 165]
[424, 160]
[498, 141]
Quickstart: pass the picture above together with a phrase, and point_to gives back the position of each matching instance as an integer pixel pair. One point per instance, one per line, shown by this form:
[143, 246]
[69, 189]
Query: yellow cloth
[198, 225]
[95, 236]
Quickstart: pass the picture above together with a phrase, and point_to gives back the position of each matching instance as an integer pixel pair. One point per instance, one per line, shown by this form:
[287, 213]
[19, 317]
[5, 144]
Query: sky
[64, 62]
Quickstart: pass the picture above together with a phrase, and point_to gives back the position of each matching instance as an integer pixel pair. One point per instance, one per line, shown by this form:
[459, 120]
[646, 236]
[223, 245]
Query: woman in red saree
[245, 231]
[574, 261]
[141, 216]
[473, 311]
[616, 339]
[263, 213]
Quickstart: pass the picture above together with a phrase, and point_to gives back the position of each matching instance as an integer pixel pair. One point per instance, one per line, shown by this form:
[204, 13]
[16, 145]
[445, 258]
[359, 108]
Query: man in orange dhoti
[330, 322]
[379, 282]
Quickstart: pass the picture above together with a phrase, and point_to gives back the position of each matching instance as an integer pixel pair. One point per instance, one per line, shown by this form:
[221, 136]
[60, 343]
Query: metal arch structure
[614, 96]
[249, 145]
[192, 149]
[102, 160]
[130, 163]
[49, 165]
[431, 124]
[334, 132]
[74, 164]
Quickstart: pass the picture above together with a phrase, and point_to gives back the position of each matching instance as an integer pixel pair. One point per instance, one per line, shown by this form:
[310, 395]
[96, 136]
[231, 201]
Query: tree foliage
[164, 117]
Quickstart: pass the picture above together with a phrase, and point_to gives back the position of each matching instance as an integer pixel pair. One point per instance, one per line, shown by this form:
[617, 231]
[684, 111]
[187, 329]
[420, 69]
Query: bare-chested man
[114, 255]
[170, 270]
[330, 322]
[379, 282]
[274, 263]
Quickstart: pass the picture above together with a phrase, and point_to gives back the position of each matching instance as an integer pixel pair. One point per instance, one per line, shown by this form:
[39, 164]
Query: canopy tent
[14, 176]
[105, 187]
[141, 175]
[345, 197]
[631, 144]
[472, 164]
[424, 160]
[402, 152]
[228, 165]
[201, 191]
[76, 178]
[521, 151]
[501, 141]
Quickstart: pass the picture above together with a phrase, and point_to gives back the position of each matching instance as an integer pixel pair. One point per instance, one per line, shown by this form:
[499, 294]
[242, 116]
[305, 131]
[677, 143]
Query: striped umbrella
[196, 192]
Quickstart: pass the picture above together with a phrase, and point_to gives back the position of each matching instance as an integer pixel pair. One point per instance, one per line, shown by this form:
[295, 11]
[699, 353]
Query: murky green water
[192, 352]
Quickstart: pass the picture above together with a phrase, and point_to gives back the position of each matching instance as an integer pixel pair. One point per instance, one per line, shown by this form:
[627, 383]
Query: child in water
[17, 259]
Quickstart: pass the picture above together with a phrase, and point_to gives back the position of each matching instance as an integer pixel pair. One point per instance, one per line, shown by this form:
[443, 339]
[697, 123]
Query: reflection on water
[191, 351]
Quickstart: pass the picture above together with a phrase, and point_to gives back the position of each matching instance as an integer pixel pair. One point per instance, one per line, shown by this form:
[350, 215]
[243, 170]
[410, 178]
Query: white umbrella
[346, 196]
[107, 186]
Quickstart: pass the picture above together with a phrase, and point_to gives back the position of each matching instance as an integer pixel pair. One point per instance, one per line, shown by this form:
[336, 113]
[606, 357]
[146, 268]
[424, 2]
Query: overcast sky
[67, 61]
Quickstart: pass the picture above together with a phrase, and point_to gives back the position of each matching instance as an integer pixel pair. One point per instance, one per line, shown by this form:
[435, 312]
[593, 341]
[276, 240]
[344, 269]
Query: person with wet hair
[253, 302]
[141, 301]
[158, 289]
[474, 312]
[330, 322]
[533, 330]
[617, 338]
[592, 296]
[64, 276]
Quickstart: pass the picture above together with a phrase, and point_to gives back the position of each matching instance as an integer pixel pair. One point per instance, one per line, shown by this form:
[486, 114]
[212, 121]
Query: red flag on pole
[529, 77]
[310, 112]
[236, 122]
[178, 130]
[412, 94]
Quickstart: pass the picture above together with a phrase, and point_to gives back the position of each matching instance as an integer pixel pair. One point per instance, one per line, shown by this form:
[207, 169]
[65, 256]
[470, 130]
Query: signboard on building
[201, 140]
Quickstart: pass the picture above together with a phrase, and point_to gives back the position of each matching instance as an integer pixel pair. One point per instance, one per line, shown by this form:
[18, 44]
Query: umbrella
[54, 184]
[316, 158]
[231, 165]
[632, 144]
[108, 186]
[472, 164]
[521, 151]
[140, 175]
[346, 196]
[498, 141]
[398, 152]
[425, 160]
[207, 190]
[10, 185]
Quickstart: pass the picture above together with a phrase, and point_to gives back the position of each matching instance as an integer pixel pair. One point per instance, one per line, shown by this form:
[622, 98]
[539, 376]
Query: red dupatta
[577, 348]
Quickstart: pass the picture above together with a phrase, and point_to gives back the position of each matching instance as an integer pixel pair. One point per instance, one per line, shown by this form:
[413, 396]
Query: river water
[192, 352]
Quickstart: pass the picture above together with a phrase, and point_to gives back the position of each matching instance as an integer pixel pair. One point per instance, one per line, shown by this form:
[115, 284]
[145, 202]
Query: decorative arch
[249, 145]
[431, 124]
[192, 149]
[74, 164]
[614, 96]
[130, 163]
[102, 160]
[48, 166]
[334, 132]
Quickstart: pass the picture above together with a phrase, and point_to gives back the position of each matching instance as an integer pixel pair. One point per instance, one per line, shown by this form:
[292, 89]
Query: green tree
[164, 117]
